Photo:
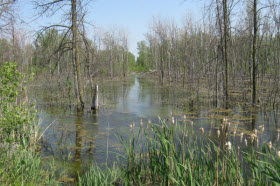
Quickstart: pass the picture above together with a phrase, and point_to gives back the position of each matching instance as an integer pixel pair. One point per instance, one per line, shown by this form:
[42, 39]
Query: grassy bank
[170, 154]
[20, 163]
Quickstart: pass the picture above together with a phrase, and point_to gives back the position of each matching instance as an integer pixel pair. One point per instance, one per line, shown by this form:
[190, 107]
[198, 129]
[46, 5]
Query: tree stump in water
[94, 104]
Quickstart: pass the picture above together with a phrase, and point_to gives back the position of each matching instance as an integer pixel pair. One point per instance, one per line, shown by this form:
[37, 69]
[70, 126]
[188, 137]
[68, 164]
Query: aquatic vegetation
[165, 154]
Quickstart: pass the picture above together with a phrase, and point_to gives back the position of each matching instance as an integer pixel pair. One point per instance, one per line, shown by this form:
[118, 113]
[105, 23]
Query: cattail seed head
[255, 131]
[253, 137]
[202, 130]
[241, 136]
[192, 123]
[130, 127]
[173, 120]
[228, 146]
[246, 143]
[141, 123]
[269, 144]
[218, 133]
[262, 128]
[225, 120]
[184, 117]
[278, 154]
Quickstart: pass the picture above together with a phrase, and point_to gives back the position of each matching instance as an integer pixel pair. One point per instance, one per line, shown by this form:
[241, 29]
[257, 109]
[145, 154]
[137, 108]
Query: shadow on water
[76, 139]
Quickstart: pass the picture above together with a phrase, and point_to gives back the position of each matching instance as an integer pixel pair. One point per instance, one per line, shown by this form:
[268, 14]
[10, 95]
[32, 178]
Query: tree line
[233, 49]
[65, 49]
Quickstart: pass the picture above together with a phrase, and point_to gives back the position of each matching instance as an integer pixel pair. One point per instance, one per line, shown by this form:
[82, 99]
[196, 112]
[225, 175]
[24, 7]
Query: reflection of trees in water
[253, 119]
[76, 139]
[114, 91]
[155, 93]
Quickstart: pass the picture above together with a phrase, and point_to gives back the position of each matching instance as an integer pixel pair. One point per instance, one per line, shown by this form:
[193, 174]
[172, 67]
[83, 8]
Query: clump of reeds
[171, 156]
[166, 154]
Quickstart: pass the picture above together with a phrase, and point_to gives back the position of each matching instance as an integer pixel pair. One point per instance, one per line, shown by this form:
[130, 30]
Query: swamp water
[73, 140]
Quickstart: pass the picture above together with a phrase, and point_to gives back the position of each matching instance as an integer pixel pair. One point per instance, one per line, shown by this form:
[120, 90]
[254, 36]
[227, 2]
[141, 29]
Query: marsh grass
[165, 154]
[20, 164]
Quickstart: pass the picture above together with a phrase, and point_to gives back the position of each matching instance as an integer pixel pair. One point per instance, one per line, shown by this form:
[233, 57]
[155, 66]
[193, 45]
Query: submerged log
[94, 104]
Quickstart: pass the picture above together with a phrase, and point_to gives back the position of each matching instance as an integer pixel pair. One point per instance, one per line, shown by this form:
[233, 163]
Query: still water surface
[76, 139]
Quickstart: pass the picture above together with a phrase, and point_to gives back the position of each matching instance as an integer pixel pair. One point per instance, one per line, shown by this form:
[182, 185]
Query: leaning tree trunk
[77, 70]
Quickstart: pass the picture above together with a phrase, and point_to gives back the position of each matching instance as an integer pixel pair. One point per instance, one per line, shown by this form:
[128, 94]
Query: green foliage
[264, 165]
[19, 162]
[141, 68]
[131, 62]
[144, 59]
[13, 114]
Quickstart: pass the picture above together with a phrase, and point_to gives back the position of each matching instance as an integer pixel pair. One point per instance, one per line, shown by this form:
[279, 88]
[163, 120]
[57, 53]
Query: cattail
[202, 130]
[255, 131]
[192, 123]
[149, 121]
[228, 146]
[225, 120]
[257, 142]
[130, 127]
[253, 137]
[218, 133]
[173, 120]
[184, 117]
[278, 130]
[246, 142]
[269, 145]
[234, 130]
[278, 153]
[241, 136]
[141, 123]
[262, 128]
[133, 124]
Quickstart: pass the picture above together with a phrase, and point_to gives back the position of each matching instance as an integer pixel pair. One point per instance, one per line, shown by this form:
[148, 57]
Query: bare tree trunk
[94, 104]
[254, 93]
[77, 71]
[226, 53]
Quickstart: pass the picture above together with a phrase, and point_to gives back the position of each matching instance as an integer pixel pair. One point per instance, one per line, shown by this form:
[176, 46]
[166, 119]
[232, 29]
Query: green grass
[19, 162]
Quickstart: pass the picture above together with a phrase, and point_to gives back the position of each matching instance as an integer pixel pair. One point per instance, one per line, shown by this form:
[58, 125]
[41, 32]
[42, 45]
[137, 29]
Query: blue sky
[131, 15]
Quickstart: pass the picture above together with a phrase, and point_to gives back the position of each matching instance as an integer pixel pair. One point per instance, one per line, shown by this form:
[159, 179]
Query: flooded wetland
[75, 140]
[139, 92]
